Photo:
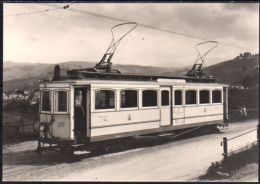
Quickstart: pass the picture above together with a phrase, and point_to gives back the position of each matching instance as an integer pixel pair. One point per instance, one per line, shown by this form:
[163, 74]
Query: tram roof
[86, 75]
[100, 78]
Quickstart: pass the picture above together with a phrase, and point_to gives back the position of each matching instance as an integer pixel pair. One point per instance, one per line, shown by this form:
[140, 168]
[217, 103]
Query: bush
[22, 106]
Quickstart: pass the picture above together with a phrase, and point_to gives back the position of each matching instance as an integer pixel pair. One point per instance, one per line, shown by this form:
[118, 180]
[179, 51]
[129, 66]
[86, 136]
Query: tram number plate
[61, 124]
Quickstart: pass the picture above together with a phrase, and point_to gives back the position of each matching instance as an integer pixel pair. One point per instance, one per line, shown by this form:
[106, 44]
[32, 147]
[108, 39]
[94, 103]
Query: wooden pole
[225, 147]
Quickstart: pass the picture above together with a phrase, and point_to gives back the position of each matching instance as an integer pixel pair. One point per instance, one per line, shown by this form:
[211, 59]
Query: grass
[227, 167]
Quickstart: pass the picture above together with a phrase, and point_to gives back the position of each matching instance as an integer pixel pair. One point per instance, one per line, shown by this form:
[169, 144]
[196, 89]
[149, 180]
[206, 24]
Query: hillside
[12, 70]
[234, 71]
[26, 76]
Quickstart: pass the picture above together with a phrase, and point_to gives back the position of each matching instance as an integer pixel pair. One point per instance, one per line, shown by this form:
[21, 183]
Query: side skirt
[155, 130]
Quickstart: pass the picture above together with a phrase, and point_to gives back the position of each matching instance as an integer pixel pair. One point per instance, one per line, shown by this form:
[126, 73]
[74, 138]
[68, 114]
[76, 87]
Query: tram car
[98, 104]
[86, 110]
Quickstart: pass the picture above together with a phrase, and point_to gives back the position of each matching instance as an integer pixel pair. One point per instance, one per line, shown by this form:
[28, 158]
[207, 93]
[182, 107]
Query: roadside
[181, 160]
[242, 166]
[248, 173]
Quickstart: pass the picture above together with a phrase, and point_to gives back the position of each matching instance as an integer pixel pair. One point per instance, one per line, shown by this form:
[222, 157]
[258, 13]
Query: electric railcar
[95, 108]
[97, 104]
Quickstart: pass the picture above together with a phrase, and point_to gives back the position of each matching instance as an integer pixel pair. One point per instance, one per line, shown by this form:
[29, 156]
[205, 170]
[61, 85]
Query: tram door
[81, 112]
[165, 95]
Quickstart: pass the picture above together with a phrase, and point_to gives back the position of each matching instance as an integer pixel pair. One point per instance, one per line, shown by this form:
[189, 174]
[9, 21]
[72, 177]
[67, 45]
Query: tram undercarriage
[67, 147]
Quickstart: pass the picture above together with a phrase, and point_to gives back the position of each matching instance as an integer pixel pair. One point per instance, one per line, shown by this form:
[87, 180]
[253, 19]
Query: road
[177, 160]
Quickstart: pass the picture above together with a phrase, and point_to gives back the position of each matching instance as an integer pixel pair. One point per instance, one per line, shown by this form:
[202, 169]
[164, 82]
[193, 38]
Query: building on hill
[247, 56]
[5, 96]
[237, 87]
[36, 97]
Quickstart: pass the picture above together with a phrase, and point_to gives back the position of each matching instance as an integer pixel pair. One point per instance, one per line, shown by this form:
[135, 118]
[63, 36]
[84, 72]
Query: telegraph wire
[41, 11]
[67, 7]
[143, 25]
[29, 13]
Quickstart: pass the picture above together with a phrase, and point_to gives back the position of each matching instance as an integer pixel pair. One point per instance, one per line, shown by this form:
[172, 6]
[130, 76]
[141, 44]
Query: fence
[224, 143]
[235, 115]
[16, 130]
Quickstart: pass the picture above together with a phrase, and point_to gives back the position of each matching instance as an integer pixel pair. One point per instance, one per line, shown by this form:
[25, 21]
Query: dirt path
[182, 160]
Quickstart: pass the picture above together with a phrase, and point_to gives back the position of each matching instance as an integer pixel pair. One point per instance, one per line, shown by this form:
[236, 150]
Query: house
[5, 96]
[237, 87]
[35, 98]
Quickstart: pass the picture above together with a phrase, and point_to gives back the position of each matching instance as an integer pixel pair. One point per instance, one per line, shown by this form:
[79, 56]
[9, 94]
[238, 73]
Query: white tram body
[98, 109]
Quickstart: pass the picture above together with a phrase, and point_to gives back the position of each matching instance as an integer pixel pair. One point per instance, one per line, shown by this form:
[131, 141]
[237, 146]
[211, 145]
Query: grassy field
[229, 167]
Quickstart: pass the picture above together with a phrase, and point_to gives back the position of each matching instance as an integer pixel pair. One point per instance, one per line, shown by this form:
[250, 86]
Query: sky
[61, 35]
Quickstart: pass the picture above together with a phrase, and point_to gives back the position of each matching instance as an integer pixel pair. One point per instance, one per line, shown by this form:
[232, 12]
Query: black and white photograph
[130, 91]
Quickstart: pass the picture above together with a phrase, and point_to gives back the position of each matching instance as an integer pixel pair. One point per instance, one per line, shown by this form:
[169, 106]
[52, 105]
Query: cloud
[67, 35]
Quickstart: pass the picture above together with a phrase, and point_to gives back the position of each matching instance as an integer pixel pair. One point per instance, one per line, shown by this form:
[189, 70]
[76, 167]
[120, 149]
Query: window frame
[128, 108]
[221, 96]
[182, 101]
[202, 104]
[169, 95]
[157, 101]
[196, 102]
[56, 101]
[104, 110]
[51, 102]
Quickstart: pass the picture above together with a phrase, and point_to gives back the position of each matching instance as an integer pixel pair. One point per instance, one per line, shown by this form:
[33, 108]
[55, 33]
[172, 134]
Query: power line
[29, 13]
[41, 11]
[143, 25]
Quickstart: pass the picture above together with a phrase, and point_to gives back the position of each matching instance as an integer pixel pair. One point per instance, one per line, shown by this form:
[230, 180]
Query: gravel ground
[182, 160]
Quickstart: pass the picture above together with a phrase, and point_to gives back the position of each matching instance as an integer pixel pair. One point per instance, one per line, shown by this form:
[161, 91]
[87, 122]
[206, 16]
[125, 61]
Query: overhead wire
[67, 7]
[40, 11]
[143, 25]
[29, 13]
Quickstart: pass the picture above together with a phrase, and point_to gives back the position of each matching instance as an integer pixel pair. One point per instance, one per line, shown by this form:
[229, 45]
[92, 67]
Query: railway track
[47, 161]
[24, 171]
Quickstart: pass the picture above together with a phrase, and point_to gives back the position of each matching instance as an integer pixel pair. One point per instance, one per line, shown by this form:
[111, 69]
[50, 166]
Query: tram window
[204, 97]
[128, 98]
[61, 101]
[165, 98]
[46, 101]
[216, 96]
[190, 97]
[105, 99]
[149, 98]
[178, 97]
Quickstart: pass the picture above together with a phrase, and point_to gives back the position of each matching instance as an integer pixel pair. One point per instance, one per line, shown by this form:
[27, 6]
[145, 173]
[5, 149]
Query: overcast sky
[61, 35]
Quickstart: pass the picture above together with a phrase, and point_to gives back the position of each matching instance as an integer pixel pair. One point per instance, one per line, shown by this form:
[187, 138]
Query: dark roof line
[75, 74]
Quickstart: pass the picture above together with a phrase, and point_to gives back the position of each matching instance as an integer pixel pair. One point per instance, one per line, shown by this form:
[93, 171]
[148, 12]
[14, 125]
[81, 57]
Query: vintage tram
[97, 104]
[96, 108]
